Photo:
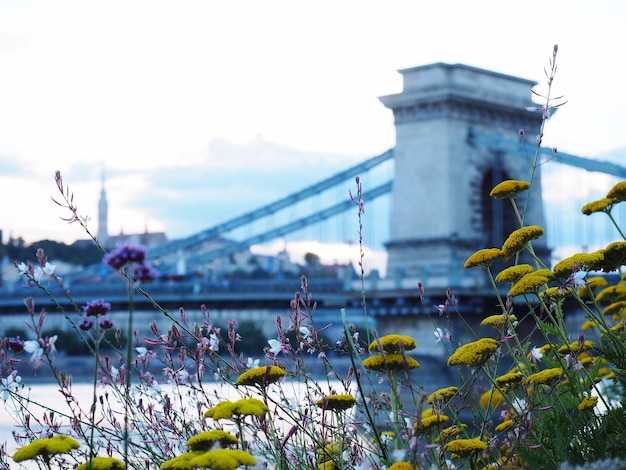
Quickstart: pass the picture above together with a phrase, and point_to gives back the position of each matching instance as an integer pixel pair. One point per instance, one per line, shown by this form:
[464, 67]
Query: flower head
[95, 308]
[587, 403]
[443, 394]
[509, 189]
[519, 238]
[601, 205]
[206, 440]
[531, 282]
[9, 384]
[618, 192]
[46, 447]
[103, 463]
[474, 354]
[546, 377]
[390, 362]
[123, 255]
[336, 402]
[261, 376]
[483, 258]
[465, 447]
[392, 344]
[15, 344]
[497, 321]
[514, 273]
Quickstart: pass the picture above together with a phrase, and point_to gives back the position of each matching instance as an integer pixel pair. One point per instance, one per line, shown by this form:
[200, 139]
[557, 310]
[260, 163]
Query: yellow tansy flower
[102, 463]
[618, 192]
[564, 268]
[403, 466]
[428, 422]
[497, 321]
[336, 402]
[587, 403]
[519, 238]
[613, 293]
[46, 447]
[206, 440]
[450, 431]
[474, 354]
[492, 398]
[588, 325]
[529, 283]
[511, 378]
[507, 423]
[392, 344]
[514, 273]
[546, 377]
[616, 308]
[390, 362]
[575, 347]
[614, 257]
[181, 462]
[223, 459]
[601, 205]
[509, 189]
[261, 376]
[465, 447]
[443, 394]
[483, 258]
[242, 407]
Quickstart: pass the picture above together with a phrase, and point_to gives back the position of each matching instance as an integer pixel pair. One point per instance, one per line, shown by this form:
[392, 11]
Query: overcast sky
[199, 110]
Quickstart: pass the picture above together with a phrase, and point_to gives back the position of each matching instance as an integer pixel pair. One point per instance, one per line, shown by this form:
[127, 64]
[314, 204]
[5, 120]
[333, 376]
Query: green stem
[129, 351]
[94, 401]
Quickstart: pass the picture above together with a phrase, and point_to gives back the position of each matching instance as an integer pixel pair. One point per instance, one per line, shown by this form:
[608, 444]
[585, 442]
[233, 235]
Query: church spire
[103, 216]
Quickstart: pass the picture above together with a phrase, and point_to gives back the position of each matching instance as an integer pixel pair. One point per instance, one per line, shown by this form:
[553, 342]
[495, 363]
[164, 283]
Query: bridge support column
[441, 211]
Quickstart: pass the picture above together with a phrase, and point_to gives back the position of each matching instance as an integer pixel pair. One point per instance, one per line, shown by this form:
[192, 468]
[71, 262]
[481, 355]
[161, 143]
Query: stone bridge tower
[441, 211]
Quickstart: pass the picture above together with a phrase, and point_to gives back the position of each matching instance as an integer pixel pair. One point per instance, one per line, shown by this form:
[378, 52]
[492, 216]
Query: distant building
[147, 239]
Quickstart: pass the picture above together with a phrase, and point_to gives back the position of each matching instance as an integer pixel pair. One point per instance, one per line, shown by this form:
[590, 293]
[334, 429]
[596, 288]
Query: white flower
[214, 342]
[536, 353]
[305, 332]
[22, 268]
[37, 274]
[251, 363]
[141, 351]
[578, 278]
[35, 349]
[48, 269]
[441, 335]
[9, 385]
[275, 346]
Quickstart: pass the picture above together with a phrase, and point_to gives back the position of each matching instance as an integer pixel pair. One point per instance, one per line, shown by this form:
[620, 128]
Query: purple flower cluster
[125, 254]
[128, 254]
[95, 308]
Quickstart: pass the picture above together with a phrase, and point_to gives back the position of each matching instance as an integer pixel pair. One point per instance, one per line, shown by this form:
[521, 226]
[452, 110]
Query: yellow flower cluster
[207, 439]
[614, 257]
[509, 189]
[483, 258]
[587, 403]
[223, 459]
[618, 192]
[431, 421]
[390, 362]
[443, 394]
[514, 273]
[592, 283]
[474, 354]
[337, 402]
[545, 377]
[575, 347]
[450, 431]
[509, 379]
[492, 398]
[465, 447]
[261, 376]
[403, 466]
[242, 407]
[392, 344]
[588, 261]
[613, 293]
[519, 238]
[529, 283]
[103, 463]
[507, 423]
[497, 321]
[601, 205]
[46, 447]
